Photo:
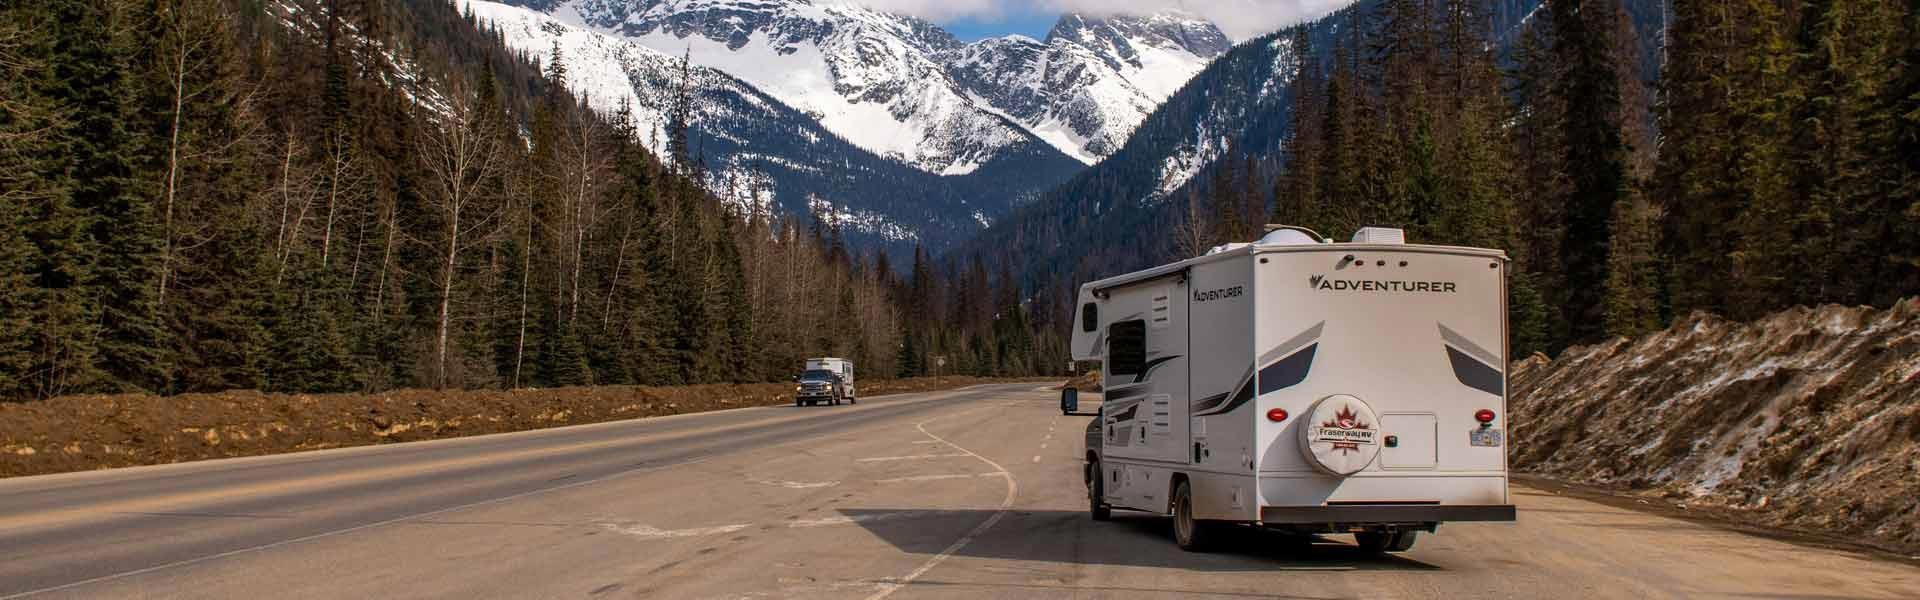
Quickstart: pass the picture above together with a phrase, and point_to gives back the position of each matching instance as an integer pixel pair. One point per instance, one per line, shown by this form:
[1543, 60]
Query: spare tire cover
[1341, 435]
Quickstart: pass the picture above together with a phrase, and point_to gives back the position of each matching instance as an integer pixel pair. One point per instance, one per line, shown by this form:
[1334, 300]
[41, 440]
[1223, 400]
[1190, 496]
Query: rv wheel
[1096, 490]
[1192, 535]
[1377, 542]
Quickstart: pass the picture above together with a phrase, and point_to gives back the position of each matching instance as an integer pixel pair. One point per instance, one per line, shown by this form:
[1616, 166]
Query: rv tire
[1191, 534]
[1096, 490]
[1379, 542]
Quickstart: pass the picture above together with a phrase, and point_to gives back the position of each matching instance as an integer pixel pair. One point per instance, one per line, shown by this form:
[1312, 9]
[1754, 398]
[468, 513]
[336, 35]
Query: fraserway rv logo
[1346, 432]
[1321, 282]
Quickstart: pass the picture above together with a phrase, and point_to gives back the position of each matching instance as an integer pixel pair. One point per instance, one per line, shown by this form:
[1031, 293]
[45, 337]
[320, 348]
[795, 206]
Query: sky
[976, 19]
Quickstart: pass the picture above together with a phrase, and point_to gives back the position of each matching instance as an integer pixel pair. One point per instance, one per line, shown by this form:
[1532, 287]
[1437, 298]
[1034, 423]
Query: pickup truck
[819, 386]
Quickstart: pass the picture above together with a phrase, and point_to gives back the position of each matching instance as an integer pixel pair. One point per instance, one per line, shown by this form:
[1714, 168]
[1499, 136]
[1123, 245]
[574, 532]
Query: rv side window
[1127, 347]
[1089, 317]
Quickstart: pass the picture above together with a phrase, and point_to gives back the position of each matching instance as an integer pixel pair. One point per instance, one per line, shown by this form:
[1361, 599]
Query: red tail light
[1277, 415]
[1484, 416]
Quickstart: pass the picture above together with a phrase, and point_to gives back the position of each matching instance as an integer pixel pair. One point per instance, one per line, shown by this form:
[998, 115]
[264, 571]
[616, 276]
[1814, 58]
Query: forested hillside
[342, 195]
[1774, 160]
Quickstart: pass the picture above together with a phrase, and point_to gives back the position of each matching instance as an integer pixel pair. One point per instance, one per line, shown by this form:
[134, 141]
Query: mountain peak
[1169, 29]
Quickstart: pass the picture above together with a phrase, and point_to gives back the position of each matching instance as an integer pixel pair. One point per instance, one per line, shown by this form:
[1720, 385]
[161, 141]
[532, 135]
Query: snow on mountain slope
[763, 153]
[865, 75]
[905, 88]
[1092, 81]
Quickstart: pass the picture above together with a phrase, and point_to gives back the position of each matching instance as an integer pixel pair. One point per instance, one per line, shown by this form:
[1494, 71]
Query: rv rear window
[1089, 317]
[1127, 347]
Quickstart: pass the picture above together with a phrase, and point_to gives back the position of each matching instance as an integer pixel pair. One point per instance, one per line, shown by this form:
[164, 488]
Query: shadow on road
[1128, 540]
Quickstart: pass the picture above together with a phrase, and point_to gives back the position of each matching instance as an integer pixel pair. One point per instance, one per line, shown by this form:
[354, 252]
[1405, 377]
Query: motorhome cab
[1301, 384]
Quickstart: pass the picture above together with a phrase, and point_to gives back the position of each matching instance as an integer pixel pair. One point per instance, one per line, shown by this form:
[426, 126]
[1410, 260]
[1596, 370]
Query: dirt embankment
[1807, 420]
[77, 433]
[1085, 382]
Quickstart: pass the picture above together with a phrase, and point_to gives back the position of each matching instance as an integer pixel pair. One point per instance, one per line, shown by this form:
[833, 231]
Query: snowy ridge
[904, 88]
[609, 72]
[865, 75]
[1092, 81]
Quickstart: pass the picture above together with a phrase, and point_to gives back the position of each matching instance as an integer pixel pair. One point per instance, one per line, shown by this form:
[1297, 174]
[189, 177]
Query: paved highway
[966, 494]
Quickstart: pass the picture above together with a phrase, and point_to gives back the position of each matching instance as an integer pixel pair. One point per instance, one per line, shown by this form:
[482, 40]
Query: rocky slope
[1808, 419]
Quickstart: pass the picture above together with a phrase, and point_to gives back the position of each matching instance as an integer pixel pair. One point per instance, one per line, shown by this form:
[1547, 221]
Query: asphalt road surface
[965, 494]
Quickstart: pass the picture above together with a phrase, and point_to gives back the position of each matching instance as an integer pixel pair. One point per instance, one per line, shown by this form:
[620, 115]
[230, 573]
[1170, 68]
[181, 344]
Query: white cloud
[1240, 19]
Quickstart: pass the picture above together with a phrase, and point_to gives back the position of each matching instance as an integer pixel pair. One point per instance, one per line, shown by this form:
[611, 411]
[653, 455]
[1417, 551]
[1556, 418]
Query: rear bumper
[1385, 513]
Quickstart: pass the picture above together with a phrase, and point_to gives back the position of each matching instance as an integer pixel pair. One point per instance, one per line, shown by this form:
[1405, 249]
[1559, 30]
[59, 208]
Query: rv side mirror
[1069, 401]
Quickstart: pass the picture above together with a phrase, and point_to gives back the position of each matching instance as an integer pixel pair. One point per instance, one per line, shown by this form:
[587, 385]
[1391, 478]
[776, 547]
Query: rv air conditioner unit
[1380, 235]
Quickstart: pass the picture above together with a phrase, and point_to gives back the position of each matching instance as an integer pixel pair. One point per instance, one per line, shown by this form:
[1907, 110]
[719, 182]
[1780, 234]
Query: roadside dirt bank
[1807, 420]
[78, 433]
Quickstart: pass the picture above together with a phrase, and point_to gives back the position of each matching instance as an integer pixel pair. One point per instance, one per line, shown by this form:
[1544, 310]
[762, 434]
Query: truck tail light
[1484, 416]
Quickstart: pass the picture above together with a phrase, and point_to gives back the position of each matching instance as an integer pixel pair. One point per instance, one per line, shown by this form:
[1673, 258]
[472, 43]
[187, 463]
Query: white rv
[1300, 384]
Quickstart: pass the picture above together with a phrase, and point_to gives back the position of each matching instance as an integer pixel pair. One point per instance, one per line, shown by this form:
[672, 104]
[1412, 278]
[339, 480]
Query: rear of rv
[1380, 372]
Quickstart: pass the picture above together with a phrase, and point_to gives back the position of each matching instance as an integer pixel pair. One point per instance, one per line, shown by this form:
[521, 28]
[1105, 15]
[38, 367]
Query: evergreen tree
[309, 352]
[1596, 154]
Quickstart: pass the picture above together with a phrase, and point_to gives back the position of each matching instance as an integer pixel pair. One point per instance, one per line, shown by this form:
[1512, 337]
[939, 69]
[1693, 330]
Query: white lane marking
[327, 534]
[1036, 458]
[1043, 445]
[887, 588]
[850, 519]
[796, 485]
[647, 531]
[912, 457]
[937, 477]
[927, 442]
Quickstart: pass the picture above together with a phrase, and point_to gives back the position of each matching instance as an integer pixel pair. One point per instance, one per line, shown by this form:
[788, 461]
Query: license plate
[1485, 437]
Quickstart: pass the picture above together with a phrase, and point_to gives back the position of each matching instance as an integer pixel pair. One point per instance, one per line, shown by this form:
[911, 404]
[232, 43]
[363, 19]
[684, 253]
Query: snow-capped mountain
[761, 152]
[1092, 81]
[867, 76]
[907, 89]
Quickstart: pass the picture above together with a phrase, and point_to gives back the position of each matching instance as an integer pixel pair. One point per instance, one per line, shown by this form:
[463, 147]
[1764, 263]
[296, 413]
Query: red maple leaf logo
[1346, 419]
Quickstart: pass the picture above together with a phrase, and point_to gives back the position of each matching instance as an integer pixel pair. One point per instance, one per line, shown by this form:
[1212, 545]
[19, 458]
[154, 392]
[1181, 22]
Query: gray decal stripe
[1287, 372]
[1456, 340]
[1210, 401]
[1475, 374]
[1311, 335]
[1147, 370]
[1240, 396]
[1125, 393]
[1216, 399]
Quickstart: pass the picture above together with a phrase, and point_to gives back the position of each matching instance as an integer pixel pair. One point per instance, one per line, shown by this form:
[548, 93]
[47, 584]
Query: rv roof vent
[1380, 235]
[1287, 235]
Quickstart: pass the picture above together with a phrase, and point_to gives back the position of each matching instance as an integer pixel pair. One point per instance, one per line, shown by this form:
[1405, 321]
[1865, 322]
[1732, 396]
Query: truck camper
[1300, 384]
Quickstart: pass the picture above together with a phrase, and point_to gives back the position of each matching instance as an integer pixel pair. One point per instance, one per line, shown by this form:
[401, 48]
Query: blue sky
[1031, 24]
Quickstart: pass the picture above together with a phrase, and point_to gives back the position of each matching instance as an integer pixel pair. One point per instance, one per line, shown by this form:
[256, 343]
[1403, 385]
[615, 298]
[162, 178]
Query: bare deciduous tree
[1193, 235]
[460, 152]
